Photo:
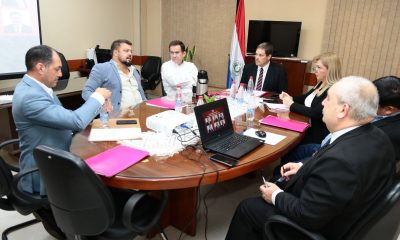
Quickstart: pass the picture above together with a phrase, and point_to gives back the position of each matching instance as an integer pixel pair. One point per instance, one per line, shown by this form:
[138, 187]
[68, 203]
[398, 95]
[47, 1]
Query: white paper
[5, 99]
[114, 134]
[277, 106]
[271, 138]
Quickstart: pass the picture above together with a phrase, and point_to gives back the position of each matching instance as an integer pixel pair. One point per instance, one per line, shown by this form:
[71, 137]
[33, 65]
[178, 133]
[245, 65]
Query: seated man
[340, 182]
[388, 119]
[267, 76]
[177, 71]
[119, 76]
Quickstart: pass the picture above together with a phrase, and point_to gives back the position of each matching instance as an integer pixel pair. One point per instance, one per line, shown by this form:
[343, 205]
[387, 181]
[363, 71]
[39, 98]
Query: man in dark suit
[267, 76]
[333, 189]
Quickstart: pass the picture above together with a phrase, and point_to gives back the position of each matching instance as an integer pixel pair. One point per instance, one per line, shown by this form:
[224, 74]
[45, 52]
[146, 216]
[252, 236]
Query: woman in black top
[327, 69]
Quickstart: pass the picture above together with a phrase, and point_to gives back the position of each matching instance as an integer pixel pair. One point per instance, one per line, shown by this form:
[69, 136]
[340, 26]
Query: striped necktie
[260, 79]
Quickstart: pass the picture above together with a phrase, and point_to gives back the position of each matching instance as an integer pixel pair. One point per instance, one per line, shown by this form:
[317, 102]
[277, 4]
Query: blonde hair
[332, 62]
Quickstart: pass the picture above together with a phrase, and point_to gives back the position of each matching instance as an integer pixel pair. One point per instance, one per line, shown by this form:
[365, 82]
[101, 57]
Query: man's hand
[104, 92]
[290, 169]
[266, 191]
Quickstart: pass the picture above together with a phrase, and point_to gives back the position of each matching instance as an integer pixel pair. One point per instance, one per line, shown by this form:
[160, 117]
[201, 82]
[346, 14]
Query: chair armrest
[38, 200]
[6, 143]
[153, 77]
[281, 227]
[142, 212]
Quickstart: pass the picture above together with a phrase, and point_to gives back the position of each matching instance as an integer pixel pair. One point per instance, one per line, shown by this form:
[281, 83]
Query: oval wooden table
[183, 173]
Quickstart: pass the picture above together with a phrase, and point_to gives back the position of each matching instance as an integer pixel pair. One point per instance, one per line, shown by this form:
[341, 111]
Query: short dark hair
[38, 54]
[389, 91]
[176, 43]
[268, 48]
[118, 42]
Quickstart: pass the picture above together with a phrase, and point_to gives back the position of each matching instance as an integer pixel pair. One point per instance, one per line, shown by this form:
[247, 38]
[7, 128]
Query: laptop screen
[213, 120]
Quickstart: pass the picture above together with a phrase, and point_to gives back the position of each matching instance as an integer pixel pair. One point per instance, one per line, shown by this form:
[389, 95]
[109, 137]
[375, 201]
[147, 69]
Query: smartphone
[228, 161]
[127, 121]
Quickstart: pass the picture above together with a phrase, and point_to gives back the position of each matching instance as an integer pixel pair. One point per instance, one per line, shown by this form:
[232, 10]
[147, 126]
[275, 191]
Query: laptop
[216, 131]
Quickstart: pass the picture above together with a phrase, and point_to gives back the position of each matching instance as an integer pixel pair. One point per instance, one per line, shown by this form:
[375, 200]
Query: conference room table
[183, 173]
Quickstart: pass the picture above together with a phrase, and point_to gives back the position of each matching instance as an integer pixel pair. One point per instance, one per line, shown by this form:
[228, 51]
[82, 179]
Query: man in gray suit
[38, 114]
[119, 76]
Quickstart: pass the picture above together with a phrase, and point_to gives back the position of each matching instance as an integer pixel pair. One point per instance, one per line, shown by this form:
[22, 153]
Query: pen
[265, 182]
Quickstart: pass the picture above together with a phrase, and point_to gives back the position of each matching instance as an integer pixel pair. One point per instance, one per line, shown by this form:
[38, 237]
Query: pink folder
[283, 123]
[115, 160]
[161, 102]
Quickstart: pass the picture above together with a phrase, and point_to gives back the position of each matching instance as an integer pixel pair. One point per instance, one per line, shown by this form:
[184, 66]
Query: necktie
[260, 78]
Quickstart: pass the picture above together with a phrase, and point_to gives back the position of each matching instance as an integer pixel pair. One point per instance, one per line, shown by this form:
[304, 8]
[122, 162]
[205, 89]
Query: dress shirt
[309, 99]
[265, 70]
[129, 87]
[173, 74]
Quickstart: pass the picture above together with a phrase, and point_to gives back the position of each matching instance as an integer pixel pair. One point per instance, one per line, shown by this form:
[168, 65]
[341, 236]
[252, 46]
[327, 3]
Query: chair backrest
[151, 72]
[63, 80]
[382, 221]
[80, 202]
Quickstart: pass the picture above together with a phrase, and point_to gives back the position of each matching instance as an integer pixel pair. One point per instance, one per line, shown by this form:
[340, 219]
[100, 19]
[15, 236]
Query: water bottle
[250, 86]
[251, 105]
[200, 101]
[232, 92]
[240, 94]
[104, 116]
[178, 99]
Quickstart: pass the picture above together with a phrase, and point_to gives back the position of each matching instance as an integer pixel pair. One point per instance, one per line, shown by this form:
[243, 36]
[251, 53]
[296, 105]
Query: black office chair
[83, 206]
[63, 80]
[12, 197]
[151, 73]
[382, 221]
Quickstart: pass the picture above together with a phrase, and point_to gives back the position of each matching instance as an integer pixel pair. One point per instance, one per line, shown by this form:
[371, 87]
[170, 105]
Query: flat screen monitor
[19, 31]
[283, 35]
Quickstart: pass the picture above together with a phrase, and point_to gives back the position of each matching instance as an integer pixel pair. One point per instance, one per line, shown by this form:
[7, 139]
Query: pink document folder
[284, 123]
[115, 160]
[161, 102]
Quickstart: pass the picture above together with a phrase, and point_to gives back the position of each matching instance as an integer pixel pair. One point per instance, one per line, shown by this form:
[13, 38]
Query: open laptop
[216, 131]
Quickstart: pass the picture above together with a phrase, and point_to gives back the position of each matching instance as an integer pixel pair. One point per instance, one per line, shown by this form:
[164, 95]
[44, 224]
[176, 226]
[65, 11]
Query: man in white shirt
[177, 71]
[332, 190]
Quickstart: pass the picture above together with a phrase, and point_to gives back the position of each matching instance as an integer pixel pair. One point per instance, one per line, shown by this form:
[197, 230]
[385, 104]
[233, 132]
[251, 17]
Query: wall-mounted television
[283, 35]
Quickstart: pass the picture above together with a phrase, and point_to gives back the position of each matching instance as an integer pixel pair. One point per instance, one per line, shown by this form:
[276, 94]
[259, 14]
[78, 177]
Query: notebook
[216, 131]
[162, 103]
[283, 123]
[115, 160]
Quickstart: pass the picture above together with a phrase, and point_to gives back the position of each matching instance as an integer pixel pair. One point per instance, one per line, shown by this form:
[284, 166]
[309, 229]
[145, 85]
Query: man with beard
[119, 76]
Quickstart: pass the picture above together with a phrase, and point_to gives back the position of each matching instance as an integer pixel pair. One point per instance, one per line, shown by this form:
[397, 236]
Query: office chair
[380, 222]
[151, 73]
[83, 206]
[12, 197]
[63, 80]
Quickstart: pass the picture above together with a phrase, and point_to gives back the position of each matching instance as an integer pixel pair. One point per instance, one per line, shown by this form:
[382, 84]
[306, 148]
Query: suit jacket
[340, 182]
[318, 130]
[41, 119]
[106, 75]
[391, 126]
[275, 79]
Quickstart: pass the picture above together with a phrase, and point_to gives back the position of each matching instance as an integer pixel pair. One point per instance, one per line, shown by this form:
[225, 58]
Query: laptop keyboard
[230, 143]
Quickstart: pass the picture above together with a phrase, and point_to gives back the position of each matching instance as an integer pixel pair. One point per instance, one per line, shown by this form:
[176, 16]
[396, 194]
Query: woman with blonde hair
[327, 69]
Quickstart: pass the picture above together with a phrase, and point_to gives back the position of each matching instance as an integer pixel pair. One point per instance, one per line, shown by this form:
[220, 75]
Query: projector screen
[19, 31]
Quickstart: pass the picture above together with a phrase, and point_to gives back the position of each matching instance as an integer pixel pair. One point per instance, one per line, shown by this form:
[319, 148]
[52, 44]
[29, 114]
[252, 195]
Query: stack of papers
[114, 132]
[5, 99]
[277, 107]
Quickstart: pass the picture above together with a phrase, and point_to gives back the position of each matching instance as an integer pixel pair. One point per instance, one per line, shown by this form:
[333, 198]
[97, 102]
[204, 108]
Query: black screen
[284, 36]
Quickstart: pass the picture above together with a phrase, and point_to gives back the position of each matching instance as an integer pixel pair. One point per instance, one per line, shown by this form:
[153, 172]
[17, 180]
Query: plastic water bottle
[104, 116]
[178, 99]
[240, 94]
[232, 92]
[251, 105]
[250, 86]
[200, 101]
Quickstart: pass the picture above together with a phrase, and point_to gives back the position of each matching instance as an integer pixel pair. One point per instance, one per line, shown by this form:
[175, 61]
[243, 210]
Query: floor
[221, 202]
